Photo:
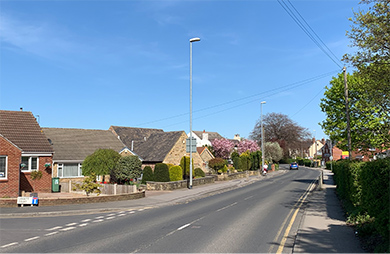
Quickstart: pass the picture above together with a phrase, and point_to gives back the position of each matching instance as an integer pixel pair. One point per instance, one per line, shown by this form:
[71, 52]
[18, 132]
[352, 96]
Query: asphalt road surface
[261, 217]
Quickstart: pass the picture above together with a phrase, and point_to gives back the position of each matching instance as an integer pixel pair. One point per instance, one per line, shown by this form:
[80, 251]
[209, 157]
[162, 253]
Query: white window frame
[5, 177]
[29, 169]
[60, 166]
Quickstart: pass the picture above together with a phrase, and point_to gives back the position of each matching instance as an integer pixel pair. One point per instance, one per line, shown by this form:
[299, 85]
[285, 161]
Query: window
[69, 170]
[3, 167]
[29, 163]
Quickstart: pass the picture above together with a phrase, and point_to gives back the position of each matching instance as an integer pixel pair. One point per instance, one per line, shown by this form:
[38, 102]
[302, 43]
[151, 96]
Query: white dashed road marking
[10, 244]
[67, 229]
[184, 226]
[51, 229]
[52, 233]
[32, 238]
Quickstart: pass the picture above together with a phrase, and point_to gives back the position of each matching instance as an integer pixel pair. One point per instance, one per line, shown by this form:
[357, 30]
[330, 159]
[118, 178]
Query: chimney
[323, 141]
[205, 136]
[21, 109]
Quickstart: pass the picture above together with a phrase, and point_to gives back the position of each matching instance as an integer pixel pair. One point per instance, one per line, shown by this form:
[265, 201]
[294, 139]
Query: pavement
[322, 228]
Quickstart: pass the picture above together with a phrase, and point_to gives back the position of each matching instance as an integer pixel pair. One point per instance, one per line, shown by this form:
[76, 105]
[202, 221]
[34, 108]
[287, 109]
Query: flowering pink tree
[222, 147]
[247, 145]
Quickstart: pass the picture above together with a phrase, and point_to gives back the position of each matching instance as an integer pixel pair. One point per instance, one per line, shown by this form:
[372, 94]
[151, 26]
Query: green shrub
[307, 162]
[364, 190]
[245, 161]
[185, 165]
[300, 162]
[255, 160]
[375, 193]
[217, 164]
[147, 174]
[127, 167]
[176, 173]
[199, 172]
[237, 163]
[89, 185]
[161, 172]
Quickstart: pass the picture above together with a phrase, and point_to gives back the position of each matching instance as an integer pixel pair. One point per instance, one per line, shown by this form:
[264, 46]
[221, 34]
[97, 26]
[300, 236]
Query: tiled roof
[157, 146]
[22, 129]
[77, 144]
[152, 145]
[212, 135]
[129, 134]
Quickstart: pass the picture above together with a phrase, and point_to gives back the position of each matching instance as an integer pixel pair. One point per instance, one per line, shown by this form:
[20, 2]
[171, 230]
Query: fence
[107, 189]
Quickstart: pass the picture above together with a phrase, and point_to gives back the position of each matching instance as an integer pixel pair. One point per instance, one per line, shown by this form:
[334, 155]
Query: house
[204, 138]
[72, 146]
[315, 147]
[206, 156]
[156, 146]
[329, 151]
[24, 150]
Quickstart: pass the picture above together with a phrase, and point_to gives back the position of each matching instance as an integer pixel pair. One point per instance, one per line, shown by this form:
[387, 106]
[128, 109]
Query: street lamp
[191, 41]
[262, 137]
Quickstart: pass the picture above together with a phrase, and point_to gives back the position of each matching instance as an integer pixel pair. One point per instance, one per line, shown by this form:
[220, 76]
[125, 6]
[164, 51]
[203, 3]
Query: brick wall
[10, 187]
[38, 185]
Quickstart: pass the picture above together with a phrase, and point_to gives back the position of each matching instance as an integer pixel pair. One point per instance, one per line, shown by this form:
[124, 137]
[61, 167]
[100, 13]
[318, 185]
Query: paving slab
[323, 228]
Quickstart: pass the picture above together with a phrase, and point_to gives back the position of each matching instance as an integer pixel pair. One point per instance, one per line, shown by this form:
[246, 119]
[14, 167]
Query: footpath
[321, 230]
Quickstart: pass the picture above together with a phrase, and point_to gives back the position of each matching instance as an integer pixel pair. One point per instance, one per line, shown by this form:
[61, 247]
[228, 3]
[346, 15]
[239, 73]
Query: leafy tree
[369, 35]
[128, 167]
[175, 173]
[245, 161]
[247, 145]
[185, 165]
[280, 128]
[101, 162]
[147, 175]
[222, 147]
[217, 164]
[272, 152]
[369, 124]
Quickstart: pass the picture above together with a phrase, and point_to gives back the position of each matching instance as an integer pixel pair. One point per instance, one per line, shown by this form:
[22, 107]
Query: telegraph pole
[347, 112]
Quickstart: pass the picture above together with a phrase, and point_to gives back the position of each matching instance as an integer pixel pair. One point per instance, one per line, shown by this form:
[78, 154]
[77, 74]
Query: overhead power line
[264, 95]
[301, 22]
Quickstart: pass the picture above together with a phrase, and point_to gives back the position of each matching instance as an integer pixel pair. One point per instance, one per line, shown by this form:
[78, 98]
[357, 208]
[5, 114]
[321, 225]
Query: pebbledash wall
[9, 184]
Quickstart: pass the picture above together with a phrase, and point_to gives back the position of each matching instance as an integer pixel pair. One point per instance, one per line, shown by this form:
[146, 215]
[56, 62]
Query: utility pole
[347, 112]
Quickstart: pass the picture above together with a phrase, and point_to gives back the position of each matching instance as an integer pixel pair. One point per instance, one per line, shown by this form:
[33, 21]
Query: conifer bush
[199, 172]
[147, 174]
[175, 173]
[161, 172]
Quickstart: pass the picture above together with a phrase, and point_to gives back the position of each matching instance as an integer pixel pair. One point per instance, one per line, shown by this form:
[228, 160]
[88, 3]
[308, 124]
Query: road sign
[193, 143]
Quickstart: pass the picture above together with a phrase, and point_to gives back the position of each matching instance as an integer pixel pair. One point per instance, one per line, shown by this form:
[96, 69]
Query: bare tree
[280, 128]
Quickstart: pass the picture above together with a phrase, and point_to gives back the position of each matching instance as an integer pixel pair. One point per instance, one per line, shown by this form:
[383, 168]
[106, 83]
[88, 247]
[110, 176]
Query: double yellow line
[294, 210]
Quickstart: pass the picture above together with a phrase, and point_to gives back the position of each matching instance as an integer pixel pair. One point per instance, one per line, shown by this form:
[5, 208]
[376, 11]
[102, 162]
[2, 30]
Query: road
[261, 217]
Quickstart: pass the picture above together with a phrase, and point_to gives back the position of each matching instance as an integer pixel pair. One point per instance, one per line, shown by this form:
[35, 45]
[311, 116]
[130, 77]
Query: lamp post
[191, 41]
[262, 136]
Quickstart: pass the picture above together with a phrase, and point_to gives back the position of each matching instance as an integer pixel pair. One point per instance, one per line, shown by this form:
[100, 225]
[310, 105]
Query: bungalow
[72, 146]
[25, 155]
[156, 146]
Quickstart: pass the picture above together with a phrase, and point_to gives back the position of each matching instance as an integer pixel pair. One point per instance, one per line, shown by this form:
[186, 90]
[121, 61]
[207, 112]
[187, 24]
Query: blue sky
[93, 64]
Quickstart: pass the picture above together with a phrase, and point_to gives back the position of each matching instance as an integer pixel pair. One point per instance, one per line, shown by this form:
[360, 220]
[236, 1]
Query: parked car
[294, 165]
